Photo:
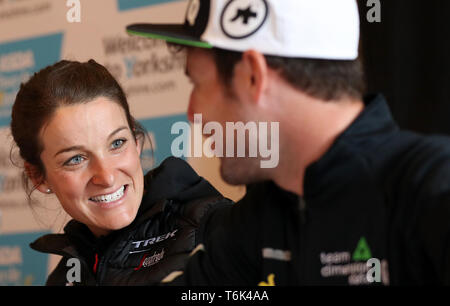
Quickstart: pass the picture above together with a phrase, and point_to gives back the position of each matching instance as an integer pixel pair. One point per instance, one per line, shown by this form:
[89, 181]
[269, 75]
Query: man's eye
[74, 160]
[118, 143]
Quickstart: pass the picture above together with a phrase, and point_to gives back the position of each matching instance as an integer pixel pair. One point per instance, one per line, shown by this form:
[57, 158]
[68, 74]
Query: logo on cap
[192, 11]
[243, 18]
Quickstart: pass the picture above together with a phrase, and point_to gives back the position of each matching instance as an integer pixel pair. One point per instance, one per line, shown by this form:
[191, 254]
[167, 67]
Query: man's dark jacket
[375, 210]
[158, 241]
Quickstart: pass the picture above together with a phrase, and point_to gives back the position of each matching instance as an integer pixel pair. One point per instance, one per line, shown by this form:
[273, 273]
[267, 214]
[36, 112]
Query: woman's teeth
[109, 197]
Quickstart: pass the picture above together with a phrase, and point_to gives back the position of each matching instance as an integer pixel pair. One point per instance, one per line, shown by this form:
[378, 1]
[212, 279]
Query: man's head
[320, 78]
[248, 57]
[322, 29]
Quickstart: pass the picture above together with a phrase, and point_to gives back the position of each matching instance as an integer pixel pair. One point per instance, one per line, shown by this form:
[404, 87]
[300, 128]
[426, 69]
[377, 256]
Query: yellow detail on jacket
[270, 281]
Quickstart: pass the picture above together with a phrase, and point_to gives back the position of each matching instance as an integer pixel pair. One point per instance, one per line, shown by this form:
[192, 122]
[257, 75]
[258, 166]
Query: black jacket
[157, 242]
[377, 193]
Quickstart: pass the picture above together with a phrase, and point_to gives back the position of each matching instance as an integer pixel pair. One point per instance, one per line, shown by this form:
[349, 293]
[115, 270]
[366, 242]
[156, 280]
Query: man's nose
[103, 174]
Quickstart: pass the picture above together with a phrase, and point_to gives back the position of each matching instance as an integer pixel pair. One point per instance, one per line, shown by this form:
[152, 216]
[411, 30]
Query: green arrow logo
[362, 251]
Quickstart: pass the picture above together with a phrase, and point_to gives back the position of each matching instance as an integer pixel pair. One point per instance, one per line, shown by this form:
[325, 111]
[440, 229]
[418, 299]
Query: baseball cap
[322, 29]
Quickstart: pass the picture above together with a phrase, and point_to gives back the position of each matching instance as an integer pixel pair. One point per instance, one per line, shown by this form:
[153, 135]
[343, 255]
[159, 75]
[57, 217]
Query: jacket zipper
[302, 210]
[100, 270]
[302, 207]
[94, 268]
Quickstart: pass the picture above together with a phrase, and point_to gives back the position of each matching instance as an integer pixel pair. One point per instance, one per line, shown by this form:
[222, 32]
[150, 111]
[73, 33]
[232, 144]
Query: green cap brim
[170, 38]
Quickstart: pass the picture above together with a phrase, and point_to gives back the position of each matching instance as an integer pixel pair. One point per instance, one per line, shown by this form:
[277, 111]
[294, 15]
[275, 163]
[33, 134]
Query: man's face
[215, 102]
[209, 95]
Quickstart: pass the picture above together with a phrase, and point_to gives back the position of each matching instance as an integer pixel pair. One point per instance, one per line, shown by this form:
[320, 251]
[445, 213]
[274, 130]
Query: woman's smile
[110, 200]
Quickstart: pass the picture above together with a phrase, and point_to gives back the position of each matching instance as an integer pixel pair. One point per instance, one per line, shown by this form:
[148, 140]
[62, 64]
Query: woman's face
[92, 164]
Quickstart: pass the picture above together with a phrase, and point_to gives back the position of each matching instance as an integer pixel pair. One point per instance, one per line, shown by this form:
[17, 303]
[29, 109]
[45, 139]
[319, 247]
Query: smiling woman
[92, 161]
[84, 146]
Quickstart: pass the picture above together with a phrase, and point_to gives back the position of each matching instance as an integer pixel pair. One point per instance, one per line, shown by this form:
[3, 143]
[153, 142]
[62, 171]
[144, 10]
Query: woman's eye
[74, 160]
[118, 143]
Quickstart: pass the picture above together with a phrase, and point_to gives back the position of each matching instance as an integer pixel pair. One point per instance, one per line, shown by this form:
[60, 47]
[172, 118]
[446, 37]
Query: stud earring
[48, 191]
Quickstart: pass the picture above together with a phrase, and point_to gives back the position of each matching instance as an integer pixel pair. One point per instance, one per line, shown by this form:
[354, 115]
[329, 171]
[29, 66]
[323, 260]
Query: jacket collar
[174, 179]
[374, 120]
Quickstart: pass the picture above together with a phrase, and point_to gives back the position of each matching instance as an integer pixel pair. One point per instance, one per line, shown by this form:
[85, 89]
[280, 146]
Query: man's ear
[252, 74]
[36, 178]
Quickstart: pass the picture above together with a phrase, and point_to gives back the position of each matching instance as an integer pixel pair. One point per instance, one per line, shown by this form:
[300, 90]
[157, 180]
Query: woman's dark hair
[323, 79]
[62, 84]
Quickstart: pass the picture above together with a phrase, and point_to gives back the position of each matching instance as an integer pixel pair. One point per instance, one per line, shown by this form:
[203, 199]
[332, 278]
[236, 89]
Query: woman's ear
[37, 178]
[140, 139]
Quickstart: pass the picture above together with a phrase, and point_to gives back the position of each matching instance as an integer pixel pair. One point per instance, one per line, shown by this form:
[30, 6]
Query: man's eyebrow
[76, 148]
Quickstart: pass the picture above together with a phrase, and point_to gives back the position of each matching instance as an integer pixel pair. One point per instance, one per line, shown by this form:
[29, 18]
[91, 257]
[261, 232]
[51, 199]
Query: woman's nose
[103, 174]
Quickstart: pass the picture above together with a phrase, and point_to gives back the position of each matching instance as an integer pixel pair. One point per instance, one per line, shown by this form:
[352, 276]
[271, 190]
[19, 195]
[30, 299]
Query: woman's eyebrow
[76, 148]
[72, 148]
[117, 131]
